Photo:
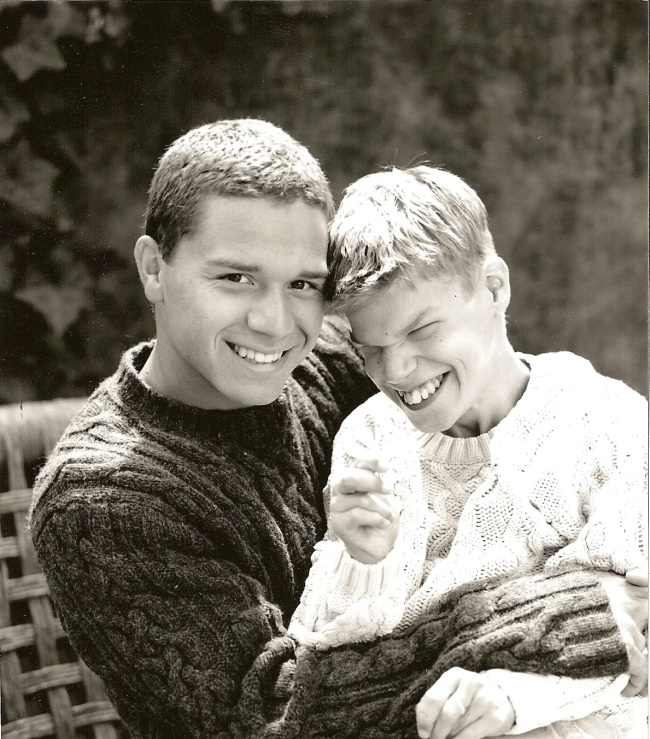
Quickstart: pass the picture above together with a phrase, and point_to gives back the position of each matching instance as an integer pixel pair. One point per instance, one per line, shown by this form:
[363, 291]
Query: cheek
[310, 318]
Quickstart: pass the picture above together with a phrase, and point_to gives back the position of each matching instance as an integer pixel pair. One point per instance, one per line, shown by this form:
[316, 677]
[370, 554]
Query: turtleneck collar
[252, 427]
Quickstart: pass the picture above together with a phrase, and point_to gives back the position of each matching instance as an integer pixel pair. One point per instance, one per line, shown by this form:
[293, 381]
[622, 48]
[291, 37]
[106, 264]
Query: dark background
[541, 105]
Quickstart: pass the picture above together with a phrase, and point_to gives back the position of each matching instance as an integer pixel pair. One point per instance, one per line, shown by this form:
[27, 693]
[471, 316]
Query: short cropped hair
[238, 158]
[399, 223]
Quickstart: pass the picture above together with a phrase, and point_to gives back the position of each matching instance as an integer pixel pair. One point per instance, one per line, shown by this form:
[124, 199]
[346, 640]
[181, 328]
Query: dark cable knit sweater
[176, 542]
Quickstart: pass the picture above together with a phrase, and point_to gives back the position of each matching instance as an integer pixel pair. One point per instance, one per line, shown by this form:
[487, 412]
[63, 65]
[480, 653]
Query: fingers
[360, 518]
[636, 685]
[627, 600]
[635, 643]
[638, 576]
[440, 707]
[383, 505]
[638, 659]
[374, 465]
[359, 480]
[464, 705]
[481, 728]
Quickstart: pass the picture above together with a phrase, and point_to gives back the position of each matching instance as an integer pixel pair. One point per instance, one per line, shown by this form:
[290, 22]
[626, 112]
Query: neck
[503, 389]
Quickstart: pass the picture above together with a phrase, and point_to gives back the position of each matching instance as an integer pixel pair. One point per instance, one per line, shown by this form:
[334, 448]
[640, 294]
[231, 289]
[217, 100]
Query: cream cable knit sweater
[561, 481]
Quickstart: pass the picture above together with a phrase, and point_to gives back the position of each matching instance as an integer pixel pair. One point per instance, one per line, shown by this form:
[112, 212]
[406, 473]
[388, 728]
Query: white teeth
[254, 356]
[414, 397]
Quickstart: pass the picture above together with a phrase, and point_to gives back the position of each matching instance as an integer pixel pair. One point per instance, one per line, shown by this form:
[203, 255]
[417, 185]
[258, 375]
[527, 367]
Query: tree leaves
[60, 306]
[26, 181]
[12, 113]
[36, 47]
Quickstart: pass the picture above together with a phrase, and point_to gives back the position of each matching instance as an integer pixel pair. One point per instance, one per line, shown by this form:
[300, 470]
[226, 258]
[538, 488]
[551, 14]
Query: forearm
[189, 647]
[543, 624]
[539, 700]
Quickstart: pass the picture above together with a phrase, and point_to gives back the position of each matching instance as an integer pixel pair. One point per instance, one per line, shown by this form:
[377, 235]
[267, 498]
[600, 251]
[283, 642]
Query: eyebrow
[406, 330]
[315, 275]
[231, 264]
[320, 274]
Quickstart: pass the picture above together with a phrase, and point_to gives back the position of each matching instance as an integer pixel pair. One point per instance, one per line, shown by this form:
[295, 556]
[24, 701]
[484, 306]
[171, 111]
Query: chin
[261, 398]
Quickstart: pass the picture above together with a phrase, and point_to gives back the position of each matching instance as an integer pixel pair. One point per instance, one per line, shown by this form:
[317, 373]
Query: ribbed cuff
[359, 580]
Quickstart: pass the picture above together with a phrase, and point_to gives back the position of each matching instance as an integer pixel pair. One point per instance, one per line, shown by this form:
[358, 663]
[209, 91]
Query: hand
[628, 598]
[464, 705]
[363, 513]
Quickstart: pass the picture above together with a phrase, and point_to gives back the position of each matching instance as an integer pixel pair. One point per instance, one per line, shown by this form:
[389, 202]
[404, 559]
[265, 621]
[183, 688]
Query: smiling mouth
[255, 357]
[421, 393]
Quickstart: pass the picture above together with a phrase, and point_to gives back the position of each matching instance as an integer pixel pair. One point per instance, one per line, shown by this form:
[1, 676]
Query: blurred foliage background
[541, 105]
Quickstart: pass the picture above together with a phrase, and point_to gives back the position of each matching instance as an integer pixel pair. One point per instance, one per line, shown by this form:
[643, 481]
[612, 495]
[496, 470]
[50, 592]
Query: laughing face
[440, 355]
[239, 304]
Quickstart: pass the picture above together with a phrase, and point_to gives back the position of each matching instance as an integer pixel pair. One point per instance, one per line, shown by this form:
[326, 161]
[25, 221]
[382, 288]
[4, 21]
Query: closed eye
[425, 331]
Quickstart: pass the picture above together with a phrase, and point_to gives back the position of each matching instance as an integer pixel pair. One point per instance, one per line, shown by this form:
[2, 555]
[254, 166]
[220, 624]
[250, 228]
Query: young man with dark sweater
[176, 517]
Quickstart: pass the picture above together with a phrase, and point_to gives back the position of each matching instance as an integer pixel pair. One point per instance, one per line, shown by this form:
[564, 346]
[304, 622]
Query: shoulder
[334, 350]
[566, 394]
[94, 444]
[570, 375]
[333, 375]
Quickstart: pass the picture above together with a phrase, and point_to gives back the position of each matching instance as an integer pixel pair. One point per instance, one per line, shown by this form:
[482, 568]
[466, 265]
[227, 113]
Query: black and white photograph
[324, 369]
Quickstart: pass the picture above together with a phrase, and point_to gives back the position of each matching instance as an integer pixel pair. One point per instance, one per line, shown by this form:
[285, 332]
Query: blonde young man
[474, 461]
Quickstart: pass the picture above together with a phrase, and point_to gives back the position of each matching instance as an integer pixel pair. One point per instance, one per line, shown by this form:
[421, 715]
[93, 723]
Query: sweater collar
[252, 427]
[474, 449]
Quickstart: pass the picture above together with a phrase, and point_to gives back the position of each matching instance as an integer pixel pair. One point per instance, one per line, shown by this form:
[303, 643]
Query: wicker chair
[47, 691]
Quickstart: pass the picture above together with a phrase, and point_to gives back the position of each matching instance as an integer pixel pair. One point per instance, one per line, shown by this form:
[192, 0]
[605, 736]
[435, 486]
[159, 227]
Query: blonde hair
[403, 222]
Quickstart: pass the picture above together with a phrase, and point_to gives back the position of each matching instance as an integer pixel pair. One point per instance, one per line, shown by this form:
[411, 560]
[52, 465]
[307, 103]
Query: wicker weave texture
[47, 691]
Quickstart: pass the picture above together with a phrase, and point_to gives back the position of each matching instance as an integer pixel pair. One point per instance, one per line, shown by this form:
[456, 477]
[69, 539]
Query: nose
[397, 364]
[271, 314]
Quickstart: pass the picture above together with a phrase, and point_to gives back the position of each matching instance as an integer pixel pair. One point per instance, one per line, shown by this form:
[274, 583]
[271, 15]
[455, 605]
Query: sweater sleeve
[613, 478]
[188, 645]
[536, 624]
[345, 600]
[539, 700]
[172, 630]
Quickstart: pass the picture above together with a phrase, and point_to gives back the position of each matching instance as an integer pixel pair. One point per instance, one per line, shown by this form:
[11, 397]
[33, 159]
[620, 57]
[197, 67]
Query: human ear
[149, 259]
[497, 281]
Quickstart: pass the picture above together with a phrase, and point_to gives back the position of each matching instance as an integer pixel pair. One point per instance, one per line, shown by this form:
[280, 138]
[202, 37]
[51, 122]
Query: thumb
[637, 576]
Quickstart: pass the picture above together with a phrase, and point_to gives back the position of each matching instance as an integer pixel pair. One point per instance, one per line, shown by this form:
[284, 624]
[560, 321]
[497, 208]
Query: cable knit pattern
[176, 544]
[561, 481]
[369, 690]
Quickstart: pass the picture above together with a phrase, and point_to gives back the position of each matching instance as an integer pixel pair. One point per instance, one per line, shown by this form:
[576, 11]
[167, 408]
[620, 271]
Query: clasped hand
[363, 511]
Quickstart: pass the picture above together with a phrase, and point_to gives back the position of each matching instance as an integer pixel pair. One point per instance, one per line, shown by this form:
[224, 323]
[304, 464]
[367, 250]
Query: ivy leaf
[34, 50]
[61, 306]
[64, 20]
[26, 182]
[12, 114]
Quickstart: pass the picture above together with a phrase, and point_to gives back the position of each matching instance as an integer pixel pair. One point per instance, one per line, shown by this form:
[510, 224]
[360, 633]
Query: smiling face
[239, 304]
[442, 356]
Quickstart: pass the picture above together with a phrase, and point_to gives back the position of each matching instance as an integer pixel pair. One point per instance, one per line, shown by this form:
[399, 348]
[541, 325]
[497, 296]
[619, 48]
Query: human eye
[307, 286]
[423, 331]
[236, 277]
